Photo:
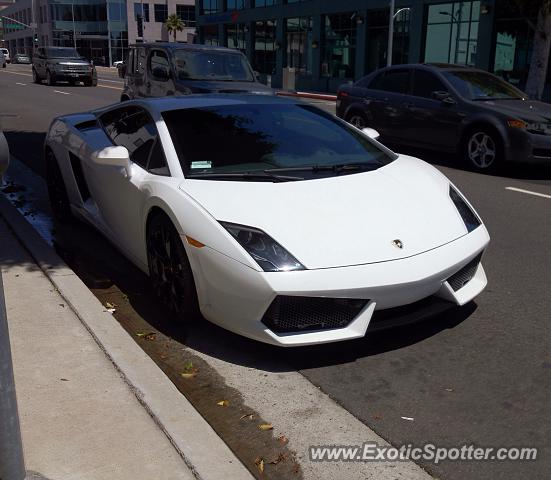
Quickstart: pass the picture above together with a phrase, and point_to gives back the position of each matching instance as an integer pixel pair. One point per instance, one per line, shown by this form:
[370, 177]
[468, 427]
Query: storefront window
[264, 57]
[235, 34]
[210, 7]
[141, 9]
[235, 5]
[161, 12]
[377, 39]
[452, 32]
[263, 3]
[210, 35]
[298, 35]
[339, 46]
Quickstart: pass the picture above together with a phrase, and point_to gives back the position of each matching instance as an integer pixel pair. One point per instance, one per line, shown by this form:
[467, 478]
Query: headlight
[470, 219]
[269, 254]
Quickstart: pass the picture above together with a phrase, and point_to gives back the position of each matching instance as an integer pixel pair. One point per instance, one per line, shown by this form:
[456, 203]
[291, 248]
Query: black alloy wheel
[169, 269]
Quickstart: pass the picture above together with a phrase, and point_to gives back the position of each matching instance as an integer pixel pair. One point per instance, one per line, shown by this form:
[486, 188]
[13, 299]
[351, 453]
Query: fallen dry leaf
[250, 416]
[259, 462]
[188, 374]
[164, 356]
[150, 336]
[449, 389]
[223, 403]
[110, 305]
[283, 440]
[266, 426]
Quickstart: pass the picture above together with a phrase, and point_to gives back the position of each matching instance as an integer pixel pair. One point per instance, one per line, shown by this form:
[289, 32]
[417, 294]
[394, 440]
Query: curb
[203, 451]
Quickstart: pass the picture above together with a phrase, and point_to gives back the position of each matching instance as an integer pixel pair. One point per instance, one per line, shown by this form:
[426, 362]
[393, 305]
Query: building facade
[154, 16]
[97, 28]
[321, 44]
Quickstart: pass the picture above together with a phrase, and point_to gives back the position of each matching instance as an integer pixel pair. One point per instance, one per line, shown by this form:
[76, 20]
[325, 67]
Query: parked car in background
[6, 53]
[55, 64]
[161, 69]
[21, 58]
[450, 108]
[2, 60]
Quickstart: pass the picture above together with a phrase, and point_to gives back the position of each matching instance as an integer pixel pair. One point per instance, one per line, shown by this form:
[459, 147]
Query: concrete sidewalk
[82, 416]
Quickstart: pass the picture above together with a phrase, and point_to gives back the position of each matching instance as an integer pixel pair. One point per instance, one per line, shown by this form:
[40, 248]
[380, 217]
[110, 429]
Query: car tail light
[342, 94]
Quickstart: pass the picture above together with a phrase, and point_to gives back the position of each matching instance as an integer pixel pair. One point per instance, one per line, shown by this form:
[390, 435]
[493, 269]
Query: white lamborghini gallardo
[276, 220]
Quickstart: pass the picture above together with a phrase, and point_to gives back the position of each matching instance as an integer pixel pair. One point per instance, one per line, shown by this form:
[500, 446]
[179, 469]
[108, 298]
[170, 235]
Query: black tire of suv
[90, 82]
[36, 78]
[49, 79]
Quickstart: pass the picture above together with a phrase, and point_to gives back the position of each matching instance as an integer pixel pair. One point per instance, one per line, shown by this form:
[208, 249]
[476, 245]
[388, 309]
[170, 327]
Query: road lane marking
[529, 192]
[64, 93]
[19, 83]
[112, 81]
[109, 86]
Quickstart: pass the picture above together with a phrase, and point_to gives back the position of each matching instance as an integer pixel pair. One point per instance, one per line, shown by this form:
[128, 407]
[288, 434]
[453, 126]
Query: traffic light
[35, 39]
[139, 19]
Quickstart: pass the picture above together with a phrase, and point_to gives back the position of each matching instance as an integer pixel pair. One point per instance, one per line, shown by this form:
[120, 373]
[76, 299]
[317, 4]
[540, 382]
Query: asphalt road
[480, 375]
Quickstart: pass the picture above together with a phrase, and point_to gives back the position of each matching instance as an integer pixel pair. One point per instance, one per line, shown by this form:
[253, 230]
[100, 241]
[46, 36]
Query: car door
[385, 99]
[120, 198]
[160, 82]
[433, 118]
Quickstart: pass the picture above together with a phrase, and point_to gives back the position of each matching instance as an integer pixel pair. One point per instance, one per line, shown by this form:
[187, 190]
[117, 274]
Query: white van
[6, 53]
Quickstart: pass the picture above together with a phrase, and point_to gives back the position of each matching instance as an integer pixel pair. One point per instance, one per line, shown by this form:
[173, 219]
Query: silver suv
[55, 64]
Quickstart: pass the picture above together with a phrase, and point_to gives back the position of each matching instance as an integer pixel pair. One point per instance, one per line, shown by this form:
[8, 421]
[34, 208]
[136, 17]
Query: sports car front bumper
[236, 297]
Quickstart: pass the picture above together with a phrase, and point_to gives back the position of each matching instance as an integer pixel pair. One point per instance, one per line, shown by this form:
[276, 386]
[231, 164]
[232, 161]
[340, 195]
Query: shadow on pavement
[28, 146]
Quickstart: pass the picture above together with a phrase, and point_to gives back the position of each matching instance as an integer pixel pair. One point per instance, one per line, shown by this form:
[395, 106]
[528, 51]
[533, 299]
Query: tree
[175, 24]
[541, 47]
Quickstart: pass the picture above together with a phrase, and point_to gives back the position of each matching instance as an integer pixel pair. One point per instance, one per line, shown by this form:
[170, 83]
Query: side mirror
[122, 70]
[115, 156]
[443, 96]
[371, 133]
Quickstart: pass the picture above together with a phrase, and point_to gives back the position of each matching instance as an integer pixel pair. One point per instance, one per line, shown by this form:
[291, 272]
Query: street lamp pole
[390, 34]
[74, 30]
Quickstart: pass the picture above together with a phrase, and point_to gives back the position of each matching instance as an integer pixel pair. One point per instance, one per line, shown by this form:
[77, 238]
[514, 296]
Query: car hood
[208, 86]
[346, 220]
[529, 110]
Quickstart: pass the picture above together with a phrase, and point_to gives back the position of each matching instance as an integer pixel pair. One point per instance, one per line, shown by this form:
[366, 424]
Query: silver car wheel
[357, 120]
[481, 150]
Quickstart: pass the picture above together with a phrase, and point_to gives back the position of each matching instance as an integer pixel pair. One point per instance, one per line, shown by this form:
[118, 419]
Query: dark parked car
[160, 69]
[55, 64]
[451, 108]
[21, 58]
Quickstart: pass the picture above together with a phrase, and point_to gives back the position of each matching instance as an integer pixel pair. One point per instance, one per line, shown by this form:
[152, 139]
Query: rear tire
[169, 269]
[357, 118]
[59, 200]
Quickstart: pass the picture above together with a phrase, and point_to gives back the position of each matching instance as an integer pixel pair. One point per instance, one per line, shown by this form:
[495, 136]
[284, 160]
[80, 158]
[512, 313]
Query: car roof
[165, 104]
[183, 46]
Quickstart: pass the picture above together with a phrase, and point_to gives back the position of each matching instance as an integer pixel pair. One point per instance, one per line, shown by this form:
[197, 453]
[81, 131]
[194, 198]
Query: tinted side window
[133, 128]
[130, 62]
[158, 64]
[395, 81]
[424, 83]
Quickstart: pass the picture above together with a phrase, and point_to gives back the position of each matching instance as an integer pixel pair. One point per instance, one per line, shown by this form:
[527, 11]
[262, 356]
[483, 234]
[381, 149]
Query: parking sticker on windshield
[201, 164]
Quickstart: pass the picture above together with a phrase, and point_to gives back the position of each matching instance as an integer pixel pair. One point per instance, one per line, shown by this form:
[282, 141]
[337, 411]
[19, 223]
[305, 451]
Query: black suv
[161, 69]
[450, 108]
[55, 64]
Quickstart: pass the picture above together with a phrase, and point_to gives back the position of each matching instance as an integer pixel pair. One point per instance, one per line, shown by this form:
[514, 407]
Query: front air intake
[288, 314]
[462, 277]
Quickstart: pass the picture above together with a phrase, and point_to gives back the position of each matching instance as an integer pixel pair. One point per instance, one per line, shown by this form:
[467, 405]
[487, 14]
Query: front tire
[482, 150]
[36, 78]
[357, 118]
[59, 200]
[169, 269]
[49, 79]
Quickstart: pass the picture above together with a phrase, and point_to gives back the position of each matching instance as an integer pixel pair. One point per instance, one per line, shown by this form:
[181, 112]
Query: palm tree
[174, 24]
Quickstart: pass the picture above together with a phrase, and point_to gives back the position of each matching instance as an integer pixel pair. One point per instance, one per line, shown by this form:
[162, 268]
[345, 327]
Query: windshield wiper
[252, 176]
[337, 168]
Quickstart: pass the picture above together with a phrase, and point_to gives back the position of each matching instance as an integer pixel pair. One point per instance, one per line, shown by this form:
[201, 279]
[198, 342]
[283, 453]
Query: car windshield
[482, 86]
[212, 65]
[254, 139]
[62, 53]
